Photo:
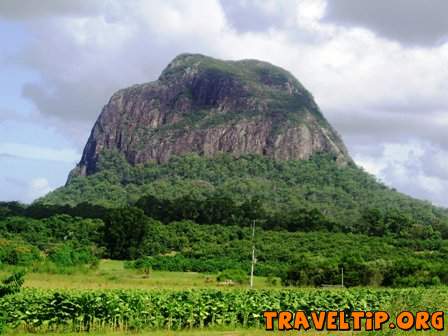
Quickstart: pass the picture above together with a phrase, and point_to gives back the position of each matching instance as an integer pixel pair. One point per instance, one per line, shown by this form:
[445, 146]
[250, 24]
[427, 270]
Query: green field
[111, 274]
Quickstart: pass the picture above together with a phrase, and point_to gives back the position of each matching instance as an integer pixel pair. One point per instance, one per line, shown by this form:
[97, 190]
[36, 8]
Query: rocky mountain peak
[209, 106]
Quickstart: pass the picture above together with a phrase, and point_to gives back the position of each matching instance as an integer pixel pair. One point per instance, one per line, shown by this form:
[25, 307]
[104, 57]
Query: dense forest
[312, 219]
[345, 197]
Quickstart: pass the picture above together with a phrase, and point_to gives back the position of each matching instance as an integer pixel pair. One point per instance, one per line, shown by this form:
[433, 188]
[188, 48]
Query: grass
[111, 274]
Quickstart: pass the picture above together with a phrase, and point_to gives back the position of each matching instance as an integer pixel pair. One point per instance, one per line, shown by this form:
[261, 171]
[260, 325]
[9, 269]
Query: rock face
[208, 106]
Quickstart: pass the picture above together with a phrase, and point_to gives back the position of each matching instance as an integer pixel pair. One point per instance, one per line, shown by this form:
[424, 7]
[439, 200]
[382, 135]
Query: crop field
[241, 332]
[194, 312]
[114, 300]
[43, 311]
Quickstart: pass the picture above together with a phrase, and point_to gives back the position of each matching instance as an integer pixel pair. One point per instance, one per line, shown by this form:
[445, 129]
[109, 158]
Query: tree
[373, 220]
[124, 232]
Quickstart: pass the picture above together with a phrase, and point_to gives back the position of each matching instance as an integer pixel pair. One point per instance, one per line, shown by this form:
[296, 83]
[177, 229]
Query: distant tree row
[222, 209]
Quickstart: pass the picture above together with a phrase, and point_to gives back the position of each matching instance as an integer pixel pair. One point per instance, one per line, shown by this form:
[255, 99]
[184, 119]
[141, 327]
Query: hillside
[345, 196]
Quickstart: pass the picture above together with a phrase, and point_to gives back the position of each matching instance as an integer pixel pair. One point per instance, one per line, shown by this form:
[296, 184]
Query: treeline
[224, 210]
[221, 209]
[218, 209]
[42, 211]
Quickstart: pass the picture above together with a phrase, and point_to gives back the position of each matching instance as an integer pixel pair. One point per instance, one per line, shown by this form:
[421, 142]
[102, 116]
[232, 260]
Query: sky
[378, 70]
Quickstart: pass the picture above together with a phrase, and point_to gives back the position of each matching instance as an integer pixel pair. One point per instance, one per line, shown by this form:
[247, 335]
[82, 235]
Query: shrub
[66, 255]
[18, 253]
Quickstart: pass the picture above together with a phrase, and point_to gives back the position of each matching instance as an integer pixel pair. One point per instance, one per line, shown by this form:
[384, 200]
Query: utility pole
[253, 256]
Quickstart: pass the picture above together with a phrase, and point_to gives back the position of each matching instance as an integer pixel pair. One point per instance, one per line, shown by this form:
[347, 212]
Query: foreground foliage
[37, 310]
[8, 286]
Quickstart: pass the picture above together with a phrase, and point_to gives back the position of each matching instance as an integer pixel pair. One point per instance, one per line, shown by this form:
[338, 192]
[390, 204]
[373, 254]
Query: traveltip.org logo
[353, 321]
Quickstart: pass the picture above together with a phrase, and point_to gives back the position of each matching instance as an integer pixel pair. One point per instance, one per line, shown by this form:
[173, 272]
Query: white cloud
[347, 69]
[369, 164]
[309, 12]
[418, 169]
[38, 187]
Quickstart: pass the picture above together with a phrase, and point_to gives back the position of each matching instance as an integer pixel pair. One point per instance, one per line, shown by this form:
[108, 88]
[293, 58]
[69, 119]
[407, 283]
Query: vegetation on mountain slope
[294, 195]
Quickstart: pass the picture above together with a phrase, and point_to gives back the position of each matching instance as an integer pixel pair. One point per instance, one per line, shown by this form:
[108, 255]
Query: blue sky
[26, 169]
[378, 79]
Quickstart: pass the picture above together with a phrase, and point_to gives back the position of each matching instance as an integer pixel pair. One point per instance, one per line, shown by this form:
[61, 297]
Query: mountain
[208, 106]
[214, 135]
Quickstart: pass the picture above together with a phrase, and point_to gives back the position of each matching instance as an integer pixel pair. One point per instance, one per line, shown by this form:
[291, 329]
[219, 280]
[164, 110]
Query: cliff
[209, 106]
